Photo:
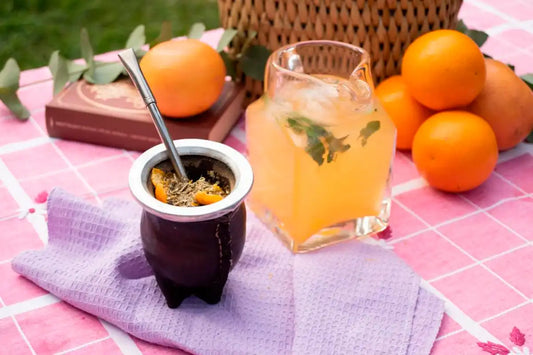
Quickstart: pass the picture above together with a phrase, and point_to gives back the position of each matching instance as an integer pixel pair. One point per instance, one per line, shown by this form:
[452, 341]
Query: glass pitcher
[321, 146]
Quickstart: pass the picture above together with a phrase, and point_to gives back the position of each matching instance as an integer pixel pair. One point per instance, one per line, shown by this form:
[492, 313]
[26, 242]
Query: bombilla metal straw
[129, 60]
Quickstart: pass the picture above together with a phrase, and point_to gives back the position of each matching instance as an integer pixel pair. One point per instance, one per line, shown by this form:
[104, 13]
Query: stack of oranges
[455, 109]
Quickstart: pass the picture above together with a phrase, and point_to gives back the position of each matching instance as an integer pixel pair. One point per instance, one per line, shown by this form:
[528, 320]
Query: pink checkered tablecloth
[474, 250]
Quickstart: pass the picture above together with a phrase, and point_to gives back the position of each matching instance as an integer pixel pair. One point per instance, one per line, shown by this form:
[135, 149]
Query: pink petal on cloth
[493, 348]
[350, 298]
[517, 337]
[385, 234]
[41, 197]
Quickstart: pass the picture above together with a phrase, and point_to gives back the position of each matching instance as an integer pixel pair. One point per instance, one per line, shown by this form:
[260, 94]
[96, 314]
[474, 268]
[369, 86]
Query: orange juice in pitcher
[321, 147]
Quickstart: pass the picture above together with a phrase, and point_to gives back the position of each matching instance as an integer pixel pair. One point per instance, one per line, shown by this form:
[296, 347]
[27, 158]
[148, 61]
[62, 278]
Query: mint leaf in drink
[295, 125]
[315, 148]
[370, 128]
[336, 145]
[320, 141]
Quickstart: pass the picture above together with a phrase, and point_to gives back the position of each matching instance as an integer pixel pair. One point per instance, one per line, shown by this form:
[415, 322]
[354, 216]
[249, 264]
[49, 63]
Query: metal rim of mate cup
[140, 175]
[192, 249]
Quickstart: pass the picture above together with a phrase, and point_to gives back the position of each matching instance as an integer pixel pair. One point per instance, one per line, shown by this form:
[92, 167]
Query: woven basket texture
[384, 28]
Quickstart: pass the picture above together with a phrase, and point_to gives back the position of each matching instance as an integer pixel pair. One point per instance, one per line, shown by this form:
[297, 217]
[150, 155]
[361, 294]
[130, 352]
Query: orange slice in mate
[157, 178]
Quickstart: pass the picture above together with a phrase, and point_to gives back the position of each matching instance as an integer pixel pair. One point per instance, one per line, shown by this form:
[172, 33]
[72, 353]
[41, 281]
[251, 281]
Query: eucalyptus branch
[250, 60]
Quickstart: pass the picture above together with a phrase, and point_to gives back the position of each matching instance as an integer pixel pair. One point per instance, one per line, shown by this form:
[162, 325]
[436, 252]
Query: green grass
[30, 30]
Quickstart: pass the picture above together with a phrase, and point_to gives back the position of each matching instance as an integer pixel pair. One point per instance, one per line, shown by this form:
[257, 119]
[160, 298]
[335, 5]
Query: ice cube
[363, 94]
[318, 103]
[358, 92]
[292, 61]
[281, 110]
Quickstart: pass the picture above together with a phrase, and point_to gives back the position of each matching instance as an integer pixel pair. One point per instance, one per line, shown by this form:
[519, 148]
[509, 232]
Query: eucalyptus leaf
[479, 37]
[139, 52]
[9, 76]
[511, 66]
[487, 56]
[75, 70]
[249, 38]
[59, 68]
[13, 103]
[52, 62]
[461, 27]
[104, 72]
[9, 84]
[253, 62]
[137, 38]
[164, 35]
[528, 79]
[87, 53]
[86, 48]
[196, 31]
[252, 34]
[231, 65]
[226, 38]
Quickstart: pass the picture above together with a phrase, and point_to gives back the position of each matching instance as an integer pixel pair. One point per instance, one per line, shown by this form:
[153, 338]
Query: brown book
[115, 115]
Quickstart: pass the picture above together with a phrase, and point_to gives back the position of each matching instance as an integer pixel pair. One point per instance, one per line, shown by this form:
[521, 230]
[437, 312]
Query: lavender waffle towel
[352, 298]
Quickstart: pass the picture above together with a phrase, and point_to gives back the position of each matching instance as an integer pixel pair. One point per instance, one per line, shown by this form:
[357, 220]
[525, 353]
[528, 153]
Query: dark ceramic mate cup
[192, 249]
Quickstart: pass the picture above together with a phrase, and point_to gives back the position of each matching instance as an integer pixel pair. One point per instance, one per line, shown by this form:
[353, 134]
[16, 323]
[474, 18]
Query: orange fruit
[157, 178]
[407, 113]
[506, 103]
[455, 150]
[186, 76]
[204, 198]
[444, 69]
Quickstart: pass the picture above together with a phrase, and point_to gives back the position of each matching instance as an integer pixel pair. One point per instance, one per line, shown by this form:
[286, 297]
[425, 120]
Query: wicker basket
[383, 27]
